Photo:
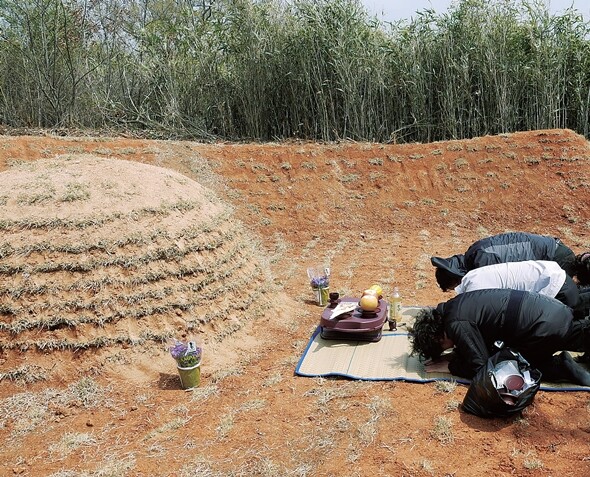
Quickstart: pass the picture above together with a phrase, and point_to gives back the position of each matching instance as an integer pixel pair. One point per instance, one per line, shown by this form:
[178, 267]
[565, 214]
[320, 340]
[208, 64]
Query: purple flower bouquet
[187, 354]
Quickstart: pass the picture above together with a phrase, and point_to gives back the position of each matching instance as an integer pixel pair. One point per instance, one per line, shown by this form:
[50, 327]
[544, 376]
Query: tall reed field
[312, 69]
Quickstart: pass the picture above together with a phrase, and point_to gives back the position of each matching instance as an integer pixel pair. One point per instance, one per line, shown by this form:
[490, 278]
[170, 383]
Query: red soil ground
[375, 214]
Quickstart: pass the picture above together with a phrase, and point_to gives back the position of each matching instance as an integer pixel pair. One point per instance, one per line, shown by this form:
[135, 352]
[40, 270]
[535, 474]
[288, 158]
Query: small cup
[508, 398]
[514, 382]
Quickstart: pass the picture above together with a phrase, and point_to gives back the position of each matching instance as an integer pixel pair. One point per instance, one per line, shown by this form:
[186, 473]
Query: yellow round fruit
[370, 291]
[369, 302]
[378, 289]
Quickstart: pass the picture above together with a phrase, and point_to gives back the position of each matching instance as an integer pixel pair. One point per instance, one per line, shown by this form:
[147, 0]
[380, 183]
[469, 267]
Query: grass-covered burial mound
[99, 253]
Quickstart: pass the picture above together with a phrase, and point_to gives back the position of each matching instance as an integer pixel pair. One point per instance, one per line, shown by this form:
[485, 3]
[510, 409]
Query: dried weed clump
[443, 430]
[25, 412]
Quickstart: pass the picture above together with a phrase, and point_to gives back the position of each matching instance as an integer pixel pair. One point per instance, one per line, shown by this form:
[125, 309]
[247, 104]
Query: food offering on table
[370, 291]
[394, 312]
[378, 289]
[369, 303]
[349, 321]
[343, 309]
[396, 304]
[334, 299]
[370, 300]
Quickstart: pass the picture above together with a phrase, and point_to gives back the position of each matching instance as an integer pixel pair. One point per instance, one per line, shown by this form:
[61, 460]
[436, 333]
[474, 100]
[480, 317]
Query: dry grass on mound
[99, 253]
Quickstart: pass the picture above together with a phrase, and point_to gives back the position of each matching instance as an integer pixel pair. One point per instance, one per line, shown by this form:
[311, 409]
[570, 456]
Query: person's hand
[438, 366]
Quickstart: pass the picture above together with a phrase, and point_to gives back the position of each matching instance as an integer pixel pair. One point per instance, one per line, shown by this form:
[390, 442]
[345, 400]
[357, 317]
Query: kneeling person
[535, 325]
[539, 276]
[517, 247]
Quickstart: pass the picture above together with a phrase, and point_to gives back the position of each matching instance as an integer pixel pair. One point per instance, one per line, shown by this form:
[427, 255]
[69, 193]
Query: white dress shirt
[540, 276]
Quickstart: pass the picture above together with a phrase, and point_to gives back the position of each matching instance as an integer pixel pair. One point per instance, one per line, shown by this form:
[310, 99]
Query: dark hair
[426, 334]
[582, 267]
[446, 280]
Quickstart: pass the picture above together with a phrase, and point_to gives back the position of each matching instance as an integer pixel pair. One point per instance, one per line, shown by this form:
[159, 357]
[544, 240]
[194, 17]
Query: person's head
[449, 271]
[446, 280]
[582, 267]
[427, 334]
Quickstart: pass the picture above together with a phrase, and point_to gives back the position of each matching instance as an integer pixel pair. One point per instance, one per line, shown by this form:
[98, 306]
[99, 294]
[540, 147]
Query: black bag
[488, 395]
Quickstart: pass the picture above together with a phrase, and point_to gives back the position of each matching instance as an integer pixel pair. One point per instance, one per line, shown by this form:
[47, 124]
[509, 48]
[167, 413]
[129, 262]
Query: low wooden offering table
[345, 320]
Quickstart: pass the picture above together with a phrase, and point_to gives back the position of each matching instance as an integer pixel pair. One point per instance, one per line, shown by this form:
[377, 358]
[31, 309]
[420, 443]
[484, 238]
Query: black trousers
[562, 367]
[569, 294]
[582, 310]
[578, 338]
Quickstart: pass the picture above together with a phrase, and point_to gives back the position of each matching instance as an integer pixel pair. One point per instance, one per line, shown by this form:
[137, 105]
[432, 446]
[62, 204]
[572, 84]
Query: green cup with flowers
[188, 362]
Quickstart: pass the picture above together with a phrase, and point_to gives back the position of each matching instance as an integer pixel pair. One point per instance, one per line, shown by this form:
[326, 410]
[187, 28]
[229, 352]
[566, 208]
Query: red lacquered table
[355, 324]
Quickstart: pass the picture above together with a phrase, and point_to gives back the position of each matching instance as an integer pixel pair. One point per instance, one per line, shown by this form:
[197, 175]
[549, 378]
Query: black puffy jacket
[475, 320]
[510, 247]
